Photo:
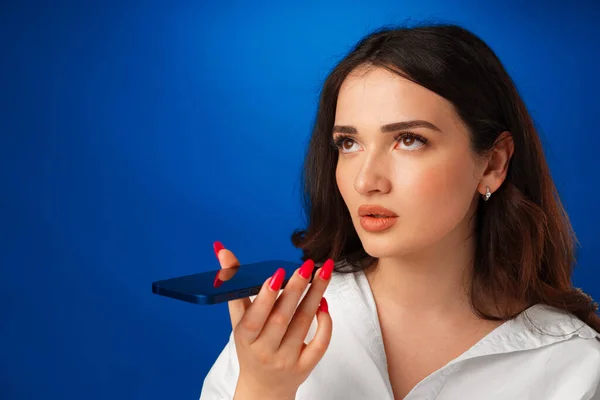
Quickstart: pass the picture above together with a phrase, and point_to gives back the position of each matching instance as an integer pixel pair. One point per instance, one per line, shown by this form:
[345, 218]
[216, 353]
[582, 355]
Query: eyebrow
[396, 126]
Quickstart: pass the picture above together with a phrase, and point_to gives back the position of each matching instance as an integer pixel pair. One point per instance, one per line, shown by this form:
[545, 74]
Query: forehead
[378, 96]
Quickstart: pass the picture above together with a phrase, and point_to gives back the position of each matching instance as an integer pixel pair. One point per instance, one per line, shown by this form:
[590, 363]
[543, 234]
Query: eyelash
[338, 140]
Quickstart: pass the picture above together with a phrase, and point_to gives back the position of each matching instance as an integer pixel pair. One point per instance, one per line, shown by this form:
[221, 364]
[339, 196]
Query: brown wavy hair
[525, 249]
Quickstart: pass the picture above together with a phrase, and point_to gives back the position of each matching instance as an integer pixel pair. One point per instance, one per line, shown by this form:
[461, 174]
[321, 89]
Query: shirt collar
[538, 326]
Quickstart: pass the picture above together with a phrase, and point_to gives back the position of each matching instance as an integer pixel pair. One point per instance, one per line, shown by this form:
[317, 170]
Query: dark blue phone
[243, 281]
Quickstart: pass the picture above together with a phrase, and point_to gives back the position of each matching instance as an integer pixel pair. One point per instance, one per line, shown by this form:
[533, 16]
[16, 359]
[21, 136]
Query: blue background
[134, 135]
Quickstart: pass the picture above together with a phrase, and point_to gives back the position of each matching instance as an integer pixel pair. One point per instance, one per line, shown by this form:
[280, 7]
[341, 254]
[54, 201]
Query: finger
[315, 349]
[299, 326]
[278, 321]
[229, 264]
[226, 258]
[255, 316]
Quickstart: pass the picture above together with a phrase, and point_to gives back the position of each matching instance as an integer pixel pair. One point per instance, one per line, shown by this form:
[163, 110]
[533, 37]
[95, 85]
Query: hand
[269, 333]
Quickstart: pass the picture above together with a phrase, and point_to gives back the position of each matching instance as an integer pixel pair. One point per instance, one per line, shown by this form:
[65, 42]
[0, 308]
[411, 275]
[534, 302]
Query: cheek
[345, 176]
[342, 183]
[441, 190]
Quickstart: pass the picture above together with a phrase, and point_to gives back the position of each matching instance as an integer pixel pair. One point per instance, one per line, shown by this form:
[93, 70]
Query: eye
[344, 144]
[407, 141]
[410, 141]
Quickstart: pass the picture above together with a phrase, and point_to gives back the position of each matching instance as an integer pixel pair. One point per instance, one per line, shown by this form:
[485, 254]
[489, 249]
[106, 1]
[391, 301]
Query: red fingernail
[218, 246]
[326, 270]
[277, 279]
[307, 269]
[217, 281]
[323, 306]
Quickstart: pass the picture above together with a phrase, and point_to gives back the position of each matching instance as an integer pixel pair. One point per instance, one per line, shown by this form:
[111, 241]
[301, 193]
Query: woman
[427, 184]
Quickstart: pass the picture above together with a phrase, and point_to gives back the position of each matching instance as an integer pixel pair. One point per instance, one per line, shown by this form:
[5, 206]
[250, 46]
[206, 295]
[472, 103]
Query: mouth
[375, 223]
[376, 218]
[375, 211]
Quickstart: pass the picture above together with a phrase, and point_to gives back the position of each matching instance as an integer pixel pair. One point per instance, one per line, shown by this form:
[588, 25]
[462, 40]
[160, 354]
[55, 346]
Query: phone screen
[239, 282]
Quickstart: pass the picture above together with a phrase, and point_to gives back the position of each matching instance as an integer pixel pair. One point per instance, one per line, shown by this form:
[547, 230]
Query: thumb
[229, 266]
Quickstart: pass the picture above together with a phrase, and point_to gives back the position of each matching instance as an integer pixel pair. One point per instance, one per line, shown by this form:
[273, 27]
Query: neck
[433, 283]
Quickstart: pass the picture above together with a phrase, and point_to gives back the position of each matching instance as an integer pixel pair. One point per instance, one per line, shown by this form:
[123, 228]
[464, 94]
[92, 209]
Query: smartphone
[238, 282]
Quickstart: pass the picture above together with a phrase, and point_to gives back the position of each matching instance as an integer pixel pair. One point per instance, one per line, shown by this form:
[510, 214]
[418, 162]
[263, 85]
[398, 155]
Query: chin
[383, 244]
[392, 243]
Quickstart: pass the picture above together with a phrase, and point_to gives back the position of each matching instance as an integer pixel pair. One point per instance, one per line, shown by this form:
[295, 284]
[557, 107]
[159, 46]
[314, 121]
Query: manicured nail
[323, 306]
[217, 281]
[277, 279]
[218, 246]
[307, 269]
[326, 270]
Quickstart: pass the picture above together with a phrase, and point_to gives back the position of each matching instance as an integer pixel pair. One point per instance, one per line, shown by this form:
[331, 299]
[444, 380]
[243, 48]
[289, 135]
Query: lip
[376, 224]
[370, 209]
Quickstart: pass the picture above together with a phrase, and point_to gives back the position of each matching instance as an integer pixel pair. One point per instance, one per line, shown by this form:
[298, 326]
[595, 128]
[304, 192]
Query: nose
[372, 177]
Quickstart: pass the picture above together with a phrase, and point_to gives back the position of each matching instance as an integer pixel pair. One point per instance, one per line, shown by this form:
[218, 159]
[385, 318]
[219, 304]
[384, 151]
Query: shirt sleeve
[221, 380]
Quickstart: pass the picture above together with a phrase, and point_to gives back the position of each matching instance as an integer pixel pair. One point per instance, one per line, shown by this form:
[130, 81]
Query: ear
[497, 163]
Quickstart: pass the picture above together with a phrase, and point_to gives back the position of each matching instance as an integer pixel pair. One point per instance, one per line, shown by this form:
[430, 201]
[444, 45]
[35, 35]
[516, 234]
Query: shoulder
[542, 326]
[546, 350]
[573, 366]
[569, 347]
[553, 322]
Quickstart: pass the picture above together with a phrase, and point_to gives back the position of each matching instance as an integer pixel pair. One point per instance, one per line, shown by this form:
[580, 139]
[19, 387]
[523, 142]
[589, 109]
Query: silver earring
[488, 194]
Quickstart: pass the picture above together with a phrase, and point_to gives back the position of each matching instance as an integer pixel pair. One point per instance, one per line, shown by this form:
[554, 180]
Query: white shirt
[514, 361]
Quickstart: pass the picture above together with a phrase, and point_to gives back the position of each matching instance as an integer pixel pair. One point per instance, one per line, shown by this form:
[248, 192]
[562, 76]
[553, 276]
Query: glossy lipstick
[375, 218]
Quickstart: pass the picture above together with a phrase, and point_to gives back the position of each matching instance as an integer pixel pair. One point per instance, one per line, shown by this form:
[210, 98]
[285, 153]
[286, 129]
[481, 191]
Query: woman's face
[427, 174]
